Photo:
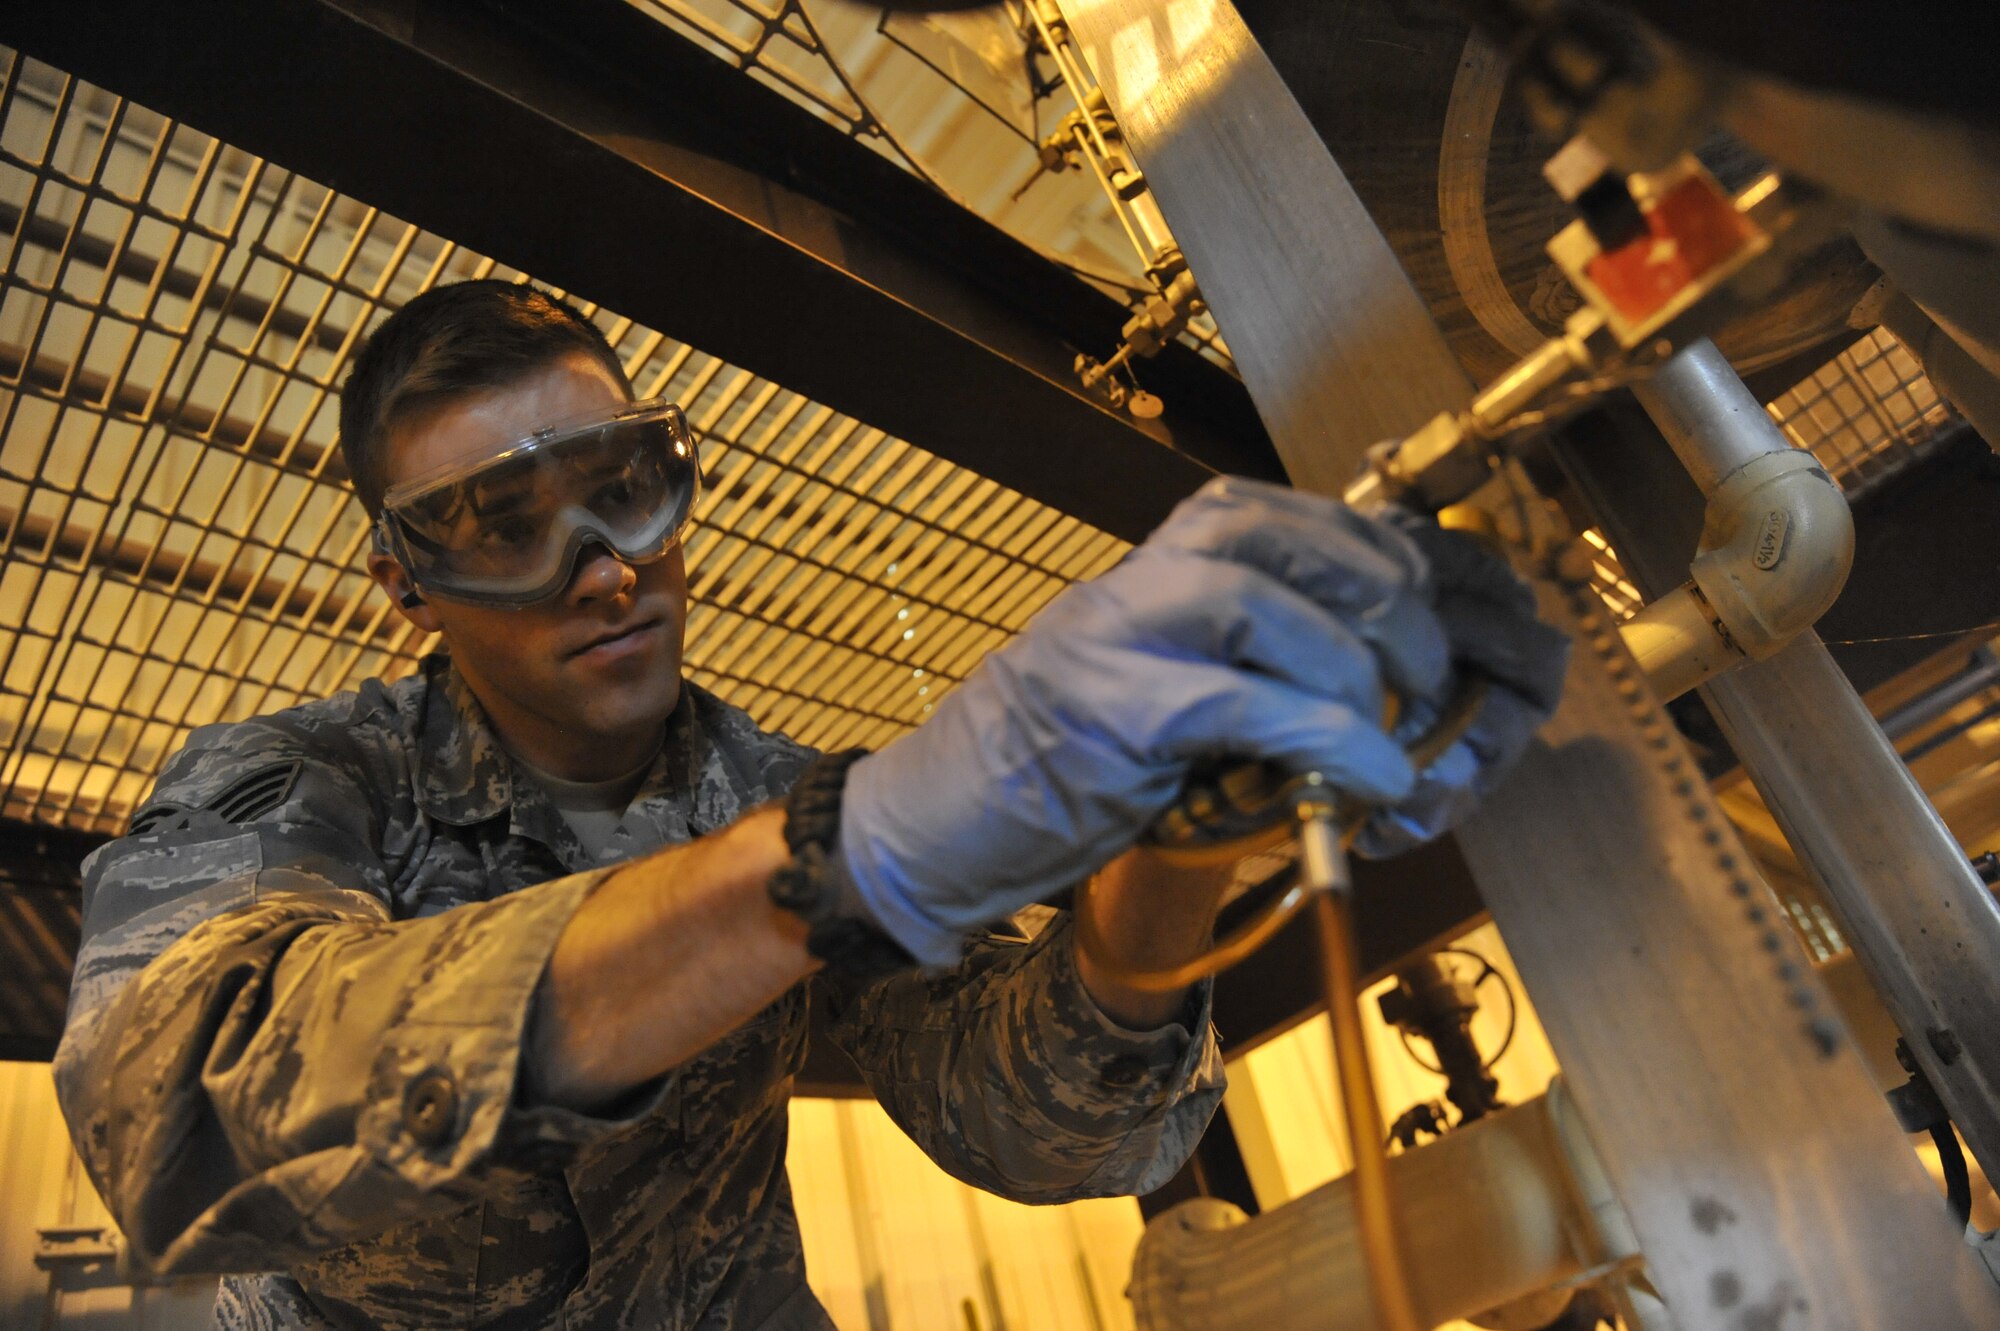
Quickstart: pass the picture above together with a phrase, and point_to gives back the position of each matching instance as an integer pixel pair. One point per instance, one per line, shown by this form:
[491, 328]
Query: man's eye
[506, 533]
[616, 494]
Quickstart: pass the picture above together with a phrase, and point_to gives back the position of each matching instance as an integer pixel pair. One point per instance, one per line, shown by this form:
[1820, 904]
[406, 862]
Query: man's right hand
[1257, 622]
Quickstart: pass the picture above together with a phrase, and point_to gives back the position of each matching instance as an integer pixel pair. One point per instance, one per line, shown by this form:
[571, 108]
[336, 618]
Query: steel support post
[1922, 923]
[1764, 1177]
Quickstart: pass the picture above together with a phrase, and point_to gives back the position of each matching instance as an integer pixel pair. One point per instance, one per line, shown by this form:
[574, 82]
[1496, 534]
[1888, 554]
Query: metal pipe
[1982, 672]
[1381, 1238]
[1535, 374]
[1675, 642]
[1713, 423]
[1932, 743]
[1922, 923]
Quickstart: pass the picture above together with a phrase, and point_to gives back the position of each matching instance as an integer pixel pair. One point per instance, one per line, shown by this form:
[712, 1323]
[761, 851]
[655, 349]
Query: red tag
[1692, 228]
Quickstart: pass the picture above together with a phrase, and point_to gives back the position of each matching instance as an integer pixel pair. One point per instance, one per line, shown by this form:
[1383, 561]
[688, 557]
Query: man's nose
[600, 575]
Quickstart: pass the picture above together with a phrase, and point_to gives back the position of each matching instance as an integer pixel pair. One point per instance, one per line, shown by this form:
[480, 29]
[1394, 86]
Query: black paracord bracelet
[806, 886]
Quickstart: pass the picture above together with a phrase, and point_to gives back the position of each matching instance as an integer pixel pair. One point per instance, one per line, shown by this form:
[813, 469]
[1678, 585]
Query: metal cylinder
[1713, 422]
[1487, 1213]
[1675, 642]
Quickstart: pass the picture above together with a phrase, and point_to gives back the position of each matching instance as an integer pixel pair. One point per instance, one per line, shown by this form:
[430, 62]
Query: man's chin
[617, 713]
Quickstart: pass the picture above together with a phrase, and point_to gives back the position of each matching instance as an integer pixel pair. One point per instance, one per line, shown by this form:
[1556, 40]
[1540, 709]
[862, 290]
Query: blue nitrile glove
[1489, 615]
[1257, 622]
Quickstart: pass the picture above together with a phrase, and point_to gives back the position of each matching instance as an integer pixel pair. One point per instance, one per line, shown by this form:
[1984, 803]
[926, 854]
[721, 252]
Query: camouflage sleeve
[259, 1064]
[1010, 1077]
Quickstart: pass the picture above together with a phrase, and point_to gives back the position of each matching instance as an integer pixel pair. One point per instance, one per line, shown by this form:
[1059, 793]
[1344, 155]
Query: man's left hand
[1490, 621]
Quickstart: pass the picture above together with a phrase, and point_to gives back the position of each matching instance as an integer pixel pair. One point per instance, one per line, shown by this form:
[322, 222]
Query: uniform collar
[463, 775]
[466, 776]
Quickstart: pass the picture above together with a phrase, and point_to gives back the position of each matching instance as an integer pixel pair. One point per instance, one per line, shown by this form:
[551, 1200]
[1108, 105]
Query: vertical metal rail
[1765, 1180]
[1924, 926]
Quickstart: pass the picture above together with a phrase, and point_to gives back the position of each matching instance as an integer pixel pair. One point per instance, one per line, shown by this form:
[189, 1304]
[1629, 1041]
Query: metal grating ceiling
[177, 543]
[1866, 412]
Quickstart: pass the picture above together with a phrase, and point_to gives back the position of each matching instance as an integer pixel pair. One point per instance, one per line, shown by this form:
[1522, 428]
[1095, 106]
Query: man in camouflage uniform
[460, 1001]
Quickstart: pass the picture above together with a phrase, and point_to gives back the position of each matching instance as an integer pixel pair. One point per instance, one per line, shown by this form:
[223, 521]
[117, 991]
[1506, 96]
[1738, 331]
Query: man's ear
[391, 577]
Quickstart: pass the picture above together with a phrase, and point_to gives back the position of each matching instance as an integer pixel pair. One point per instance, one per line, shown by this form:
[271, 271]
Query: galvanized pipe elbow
[1776, 545]
[1777, 538]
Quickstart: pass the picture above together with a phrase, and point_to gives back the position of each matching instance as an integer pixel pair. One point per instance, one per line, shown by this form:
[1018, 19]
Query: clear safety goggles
[505, 527]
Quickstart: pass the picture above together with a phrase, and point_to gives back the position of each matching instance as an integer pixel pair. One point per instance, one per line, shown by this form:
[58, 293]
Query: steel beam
[589, 145]
[1763, 1175]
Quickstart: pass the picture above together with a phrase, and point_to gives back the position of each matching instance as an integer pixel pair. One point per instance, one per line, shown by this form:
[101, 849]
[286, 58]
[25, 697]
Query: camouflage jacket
[296, 1025]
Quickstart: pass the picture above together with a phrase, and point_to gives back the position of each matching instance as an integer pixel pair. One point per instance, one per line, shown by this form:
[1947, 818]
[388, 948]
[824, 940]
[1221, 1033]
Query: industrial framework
[1671, 994]
[789, 472]
[180, 548]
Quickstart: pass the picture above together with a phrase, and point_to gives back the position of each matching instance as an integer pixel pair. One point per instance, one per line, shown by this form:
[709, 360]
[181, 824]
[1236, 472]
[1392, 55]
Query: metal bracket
[58, 1247]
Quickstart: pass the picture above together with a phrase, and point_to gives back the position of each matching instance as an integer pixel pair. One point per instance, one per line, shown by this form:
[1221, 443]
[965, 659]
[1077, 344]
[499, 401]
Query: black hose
[1957, 1181]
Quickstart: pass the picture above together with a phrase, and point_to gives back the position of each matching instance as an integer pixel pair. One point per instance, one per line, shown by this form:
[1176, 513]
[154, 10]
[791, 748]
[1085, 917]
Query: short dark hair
[451, 340]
